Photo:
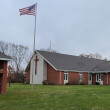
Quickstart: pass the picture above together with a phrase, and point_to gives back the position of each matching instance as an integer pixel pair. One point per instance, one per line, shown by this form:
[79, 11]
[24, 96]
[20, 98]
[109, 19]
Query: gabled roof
[63, 62]
[4, 57]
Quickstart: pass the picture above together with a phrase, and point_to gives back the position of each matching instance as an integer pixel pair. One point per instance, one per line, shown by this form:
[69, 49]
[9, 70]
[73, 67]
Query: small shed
[3, 72]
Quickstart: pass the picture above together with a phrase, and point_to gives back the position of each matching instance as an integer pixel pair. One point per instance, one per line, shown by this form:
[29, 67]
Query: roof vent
[95, 69]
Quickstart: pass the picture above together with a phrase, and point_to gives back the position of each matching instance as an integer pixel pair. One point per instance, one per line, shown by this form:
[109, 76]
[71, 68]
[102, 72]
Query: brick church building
[62, 68]
[3, 72]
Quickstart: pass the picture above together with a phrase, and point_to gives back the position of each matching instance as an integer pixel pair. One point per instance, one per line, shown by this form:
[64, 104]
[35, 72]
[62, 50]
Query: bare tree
[18, 53]
[10, 75]
[95, 56]
[28, 57]
[3, 47]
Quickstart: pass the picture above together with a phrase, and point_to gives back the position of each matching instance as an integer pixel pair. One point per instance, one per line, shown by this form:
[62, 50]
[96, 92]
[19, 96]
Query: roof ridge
[74, 55]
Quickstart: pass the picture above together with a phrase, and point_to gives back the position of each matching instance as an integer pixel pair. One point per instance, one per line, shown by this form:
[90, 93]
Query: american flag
[31, 10]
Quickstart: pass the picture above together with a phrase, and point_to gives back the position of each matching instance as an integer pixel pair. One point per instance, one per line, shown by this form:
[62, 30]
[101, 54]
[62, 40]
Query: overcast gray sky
[73, 26]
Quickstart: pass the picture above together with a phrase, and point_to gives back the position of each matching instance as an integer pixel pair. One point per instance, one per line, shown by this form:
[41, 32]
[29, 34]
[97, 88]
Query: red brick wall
[62, 77]
[75, 75]
[72, 76]
[52, 74]
[93, 78]
[1, 76]
[28, 76]
[85, 78]
[4, 83]
[4, 77]
[104, 79]
[108, 78]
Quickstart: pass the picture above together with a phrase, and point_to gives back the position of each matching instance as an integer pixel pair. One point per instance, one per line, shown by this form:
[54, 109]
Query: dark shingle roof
[75, 63]
[4, 57]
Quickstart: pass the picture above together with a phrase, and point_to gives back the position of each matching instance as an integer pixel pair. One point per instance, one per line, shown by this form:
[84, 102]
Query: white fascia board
[83, 71]
[6, 59]
[71, 70]
[46, 60]
[98, 72]
[67, 70]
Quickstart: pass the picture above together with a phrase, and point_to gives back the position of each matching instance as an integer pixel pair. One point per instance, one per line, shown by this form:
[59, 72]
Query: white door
[89, 79]
[99, 78]
[65, 77]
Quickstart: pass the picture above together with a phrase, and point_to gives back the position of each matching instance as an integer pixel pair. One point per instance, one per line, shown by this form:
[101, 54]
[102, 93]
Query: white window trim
[80, 76]
[66, 74]
[89, 77]
[99, 75]
[65, 77]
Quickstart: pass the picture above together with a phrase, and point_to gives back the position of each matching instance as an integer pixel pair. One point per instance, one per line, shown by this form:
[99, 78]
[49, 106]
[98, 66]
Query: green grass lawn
[43, 97]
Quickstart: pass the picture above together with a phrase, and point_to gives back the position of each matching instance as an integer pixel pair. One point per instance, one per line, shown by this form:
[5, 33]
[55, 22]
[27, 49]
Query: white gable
[41, 70]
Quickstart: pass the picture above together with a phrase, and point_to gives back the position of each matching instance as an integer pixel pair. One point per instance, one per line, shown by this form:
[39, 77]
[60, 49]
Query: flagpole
[35, 28]
[34, 48]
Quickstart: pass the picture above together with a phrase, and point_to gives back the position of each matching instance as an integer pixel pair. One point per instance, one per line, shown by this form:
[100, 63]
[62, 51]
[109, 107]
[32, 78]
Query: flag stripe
[28, 10]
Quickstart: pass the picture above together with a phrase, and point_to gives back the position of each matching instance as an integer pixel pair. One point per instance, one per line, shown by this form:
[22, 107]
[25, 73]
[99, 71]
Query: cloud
[74, 26]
